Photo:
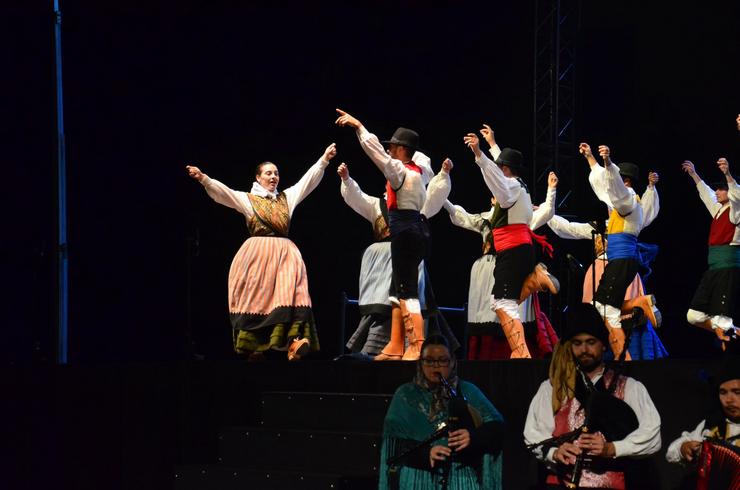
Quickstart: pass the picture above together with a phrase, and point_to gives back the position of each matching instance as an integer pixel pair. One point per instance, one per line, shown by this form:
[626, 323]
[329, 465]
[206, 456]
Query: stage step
[357, 412]
[212, 477]
[347, 453]
[303, 440]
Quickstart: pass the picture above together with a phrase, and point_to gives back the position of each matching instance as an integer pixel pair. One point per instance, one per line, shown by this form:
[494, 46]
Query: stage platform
[148, 426]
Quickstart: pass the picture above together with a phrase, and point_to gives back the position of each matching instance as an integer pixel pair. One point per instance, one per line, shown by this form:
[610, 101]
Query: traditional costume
[486, 339]
[620, 409]
[269, 303]
[627, 217]
[512, 239]
[414, 414]
[406, 195]
[715, 303]
[376, 272]
[644, 341]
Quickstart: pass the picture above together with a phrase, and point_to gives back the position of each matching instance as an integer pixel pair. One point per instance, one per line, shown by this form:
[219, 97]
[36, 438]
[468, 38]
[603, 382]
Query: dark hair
[258, 170]
[514, 171]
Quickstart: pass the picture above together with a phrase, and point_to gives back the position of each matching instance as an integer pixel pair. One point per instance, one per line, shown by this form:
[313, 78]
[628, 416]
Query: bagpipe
[719, 465]
[604, 412]
[460, 415]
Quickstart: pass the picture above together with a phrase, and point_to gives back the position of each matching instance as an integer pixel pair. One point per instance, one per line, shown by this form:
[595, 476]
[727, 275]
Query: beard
[588, 363]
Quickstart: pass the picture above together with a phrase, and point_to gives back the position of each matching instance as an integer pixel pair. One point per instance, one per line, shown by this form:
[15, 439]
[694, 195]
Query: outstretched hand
[487, 133]
[653, 179]
[585, 150]
[343, 171]
[330, 152]
[724, 166]
[688, 167]
[346, 119]
[195, 172]
[447, 165]
[473, 143]
[604, 153]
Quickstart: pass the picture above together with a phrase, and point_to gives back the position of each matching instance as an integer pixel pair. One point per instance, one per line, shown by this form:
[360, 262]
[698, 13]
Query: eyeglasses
[436, 362]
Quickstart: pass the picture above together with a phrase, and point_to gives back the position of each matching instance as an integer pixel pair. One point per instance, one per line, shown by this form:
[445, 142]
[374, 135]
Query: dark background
[151, 86]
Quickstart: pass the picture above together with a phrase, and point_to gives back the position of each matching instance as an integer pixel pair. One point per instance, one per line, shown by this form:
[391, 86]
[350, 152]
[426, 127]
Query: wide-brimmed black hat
[631, 170]
[511, 158]
[584, 318]
[404, 137]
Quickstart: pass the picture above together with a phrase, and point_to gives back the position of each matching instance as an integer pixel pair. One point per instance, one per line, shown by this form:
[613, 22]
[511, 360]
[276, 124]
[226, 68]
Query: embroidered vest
[569, 418]
[271, 216]
[722, 230]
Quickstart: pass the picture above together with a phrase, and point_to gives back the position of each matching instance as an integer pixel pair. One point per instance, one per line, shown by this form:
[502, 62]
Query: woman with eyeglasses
[418, 452]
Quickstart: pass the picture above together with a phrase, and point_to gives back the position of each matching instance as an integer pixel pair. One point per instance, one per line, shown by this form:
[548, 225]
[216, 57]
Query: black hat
[511, 158]
[404, 137]
[627, 169]
[583, 318]
[730, 370]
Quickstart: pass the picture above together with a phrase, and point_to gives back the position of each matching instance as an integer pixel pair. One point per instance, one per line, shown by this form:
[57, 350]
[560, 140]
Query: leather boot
[414, 326]
[539, 280]
[616, 342]
[645, 303]
[514, 331]
[393, 350]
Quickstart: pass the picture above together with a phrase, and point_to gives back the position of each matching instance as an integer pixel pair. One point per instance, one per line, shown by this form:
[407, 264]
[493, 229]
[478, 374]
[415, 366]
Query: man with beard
[622, 420]
[723, 422]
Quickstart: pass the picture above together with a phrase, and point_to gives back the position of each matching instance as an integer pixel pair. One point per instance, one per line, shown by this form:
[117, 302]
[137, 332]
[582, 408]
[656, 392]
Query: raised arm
[363, 204]
[438, 190]
[298, 192]
[506, 190]
[221, 193]
[569, 230]
[393, 169]
[488, 135]
[619, 194]
[650, 200]
[546, 210]
[463, 219]
[706, 195]
[597, 175]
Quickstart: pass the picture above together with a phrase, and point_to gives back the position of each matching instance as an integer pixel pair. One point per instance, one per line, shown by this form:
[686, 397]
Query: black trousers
[408, 248]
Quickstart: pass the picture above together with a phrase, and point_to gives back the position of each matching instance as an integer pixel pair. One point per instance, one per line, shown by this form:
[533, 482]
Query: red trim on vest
[390, 194]
[722, 230]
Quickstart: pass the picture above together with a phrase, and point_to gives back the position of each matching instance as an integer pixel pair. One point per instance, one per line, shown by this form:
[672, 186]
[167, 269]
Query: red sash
[510, 236]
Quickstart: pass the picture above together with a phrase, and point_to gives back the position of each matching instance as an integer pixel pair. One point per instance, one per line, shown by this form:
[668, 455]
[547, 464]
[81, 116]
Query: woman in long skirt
[269, 304]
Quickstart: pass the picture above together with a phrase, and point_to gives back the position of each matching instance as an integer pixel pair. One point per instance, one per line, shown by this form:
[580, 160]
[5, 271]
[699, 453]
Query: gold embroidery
[271, 216]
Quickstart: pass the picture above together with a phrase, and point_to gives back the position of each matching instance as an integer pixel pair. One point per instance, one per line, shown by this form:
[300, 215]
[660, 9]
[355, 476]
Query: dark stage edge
[132, 426]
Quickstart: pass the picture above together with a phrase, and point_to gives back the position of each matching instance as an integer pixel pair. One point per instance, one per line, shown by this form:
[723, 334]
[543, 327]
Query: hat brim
[392, 142]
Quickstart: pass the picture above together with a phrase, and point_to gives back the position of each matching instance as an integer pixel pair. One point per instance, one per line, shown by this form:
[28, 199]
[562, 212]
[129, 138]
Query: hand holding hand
[343, 171]
[346, 119]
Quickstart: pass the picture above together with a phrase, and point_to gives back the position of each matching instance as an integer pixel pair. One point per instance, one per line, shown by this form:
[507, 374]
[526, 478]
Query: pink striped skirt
[268, 294]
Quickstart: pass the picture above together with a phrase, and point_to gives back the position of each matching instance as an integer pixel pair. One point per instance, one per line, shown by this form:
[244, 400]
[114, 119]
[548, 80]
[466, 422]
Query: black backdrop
[150, 86]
